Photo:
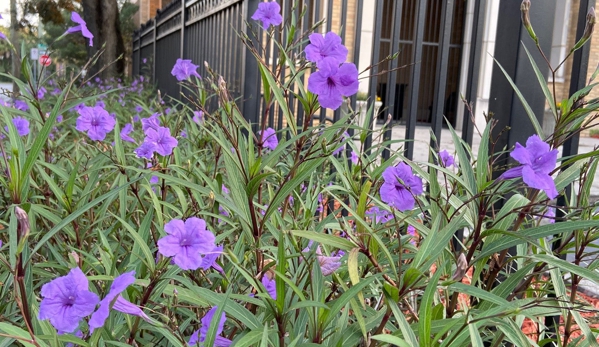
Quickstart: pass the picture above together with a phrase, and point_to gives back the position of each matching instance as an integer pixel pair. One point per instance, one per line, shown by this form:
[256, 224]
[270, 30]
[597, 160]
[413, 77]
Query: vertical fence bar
[580, 65]
[250, 107]
[415, 78]
[154, 28]
[442, 62]
[392, 74]
[182, 48]
[372, 84]
[480, 7]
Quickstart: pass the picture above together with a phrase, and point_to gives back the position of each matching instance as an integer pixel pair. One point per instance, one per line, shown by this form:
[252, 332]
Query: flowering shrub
[129, 220]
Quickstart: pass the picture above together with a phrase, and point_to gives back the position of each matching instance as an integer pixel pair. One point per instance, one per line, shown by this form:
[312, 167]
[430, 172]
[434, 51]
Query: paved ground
[5, 86]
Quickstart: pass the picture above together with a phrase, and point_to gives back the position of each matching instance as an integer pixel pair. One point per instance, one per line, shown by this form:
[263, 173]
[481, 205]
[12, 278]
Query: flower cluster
[335, 78]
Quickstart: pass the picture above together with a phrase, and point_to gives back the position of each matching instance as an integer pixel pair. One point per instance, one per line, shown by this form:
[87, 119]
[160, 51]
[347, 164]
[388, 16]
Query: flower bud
[588, 30]
[461, 268]
[23, 222]
[525, 14]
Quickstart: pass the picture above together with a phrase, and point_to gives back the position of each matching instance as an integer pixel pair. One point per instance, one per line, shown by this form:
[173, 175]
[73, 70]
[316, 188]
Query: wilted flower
[400, 187]
[269, 14]
[269, 139]
[66, 300]
[327, 46]
[209, 260]
[378, 215]
[331, 82]
[184, 69]
[328, 265]
[186, 242]
[537, 163]
[96, 121]
[162, 139]
[82, 27]
[200, 335]
[112, 298]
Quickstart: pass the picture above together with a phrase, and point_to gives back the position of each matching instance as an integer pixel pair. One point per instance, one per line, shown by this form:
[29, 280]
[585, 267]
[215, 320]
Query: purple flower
[21, 124]
[224, 189]
[138, 109]
[2, 36]
[152, 122]
[342, 147]
[412, 232]
[75, 17]
[41, 92]
[184, 69]
[162, 139]
[96, 121]
[144, 60]
[183, 134]
[66, 300]
[400, 186]
[269, 138]
[200, 335]
[328, 265]
[146, 150]
[209, 260]
[21, 105]
[549, 216]
[59, 118]
[186, 242]
[198, 116]
[378, 215]
[322, 47]
[268, 13]
[354, 158]
[270, 286]
[447, 159]
[331, 82]
[537, 163]
[128, 128]
[101, 104]
[114, 295]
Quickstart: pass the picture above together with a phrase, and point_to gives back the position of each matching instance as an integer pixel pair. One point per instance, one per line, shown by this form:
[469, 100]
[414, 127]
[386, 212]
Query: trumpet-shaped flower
[184, 69]
[269, 138]
[96, 121]
[400, 186]
[332, 82]
[21, 124]
[269, 13]
[81, 27]
[447, 159]
[200, 335]
[66, 300]
[537, 163]
[127, 129]
[327, 46]
[145, 150]
[162, 139]
[186, 242]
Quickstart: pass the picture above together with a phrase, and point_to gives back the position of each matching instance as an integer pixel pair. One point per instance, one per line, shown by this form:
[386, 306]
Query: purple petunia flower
[66, 300]
[96, 121]
[75, 17]
[114, 295]
[145, 150]
[331, 82]
[186, 242]
[447, 159]
[326, 46]
[354, 158]
[152, 122]
[269, 13]
[269, 138]
[400, 187]
[270, 286]
[200, 335]
[537, 163]
[127, 129]
[378, 215]
[21, 124]
[198, 116]
[209, 260]
[184, 69]
[162, 139]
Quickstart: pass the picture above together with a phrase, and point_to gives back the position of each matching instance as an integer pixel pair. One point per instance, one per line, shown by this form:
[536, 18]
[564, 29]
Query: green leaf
[325, 239]
[542, 82]
[426, 310]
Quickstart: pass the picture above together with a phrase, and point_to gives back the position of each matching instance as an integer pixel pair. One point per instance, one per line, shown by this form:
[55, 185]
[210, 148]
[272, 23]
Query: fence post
[154, 27]
[250, 108]
[182, 51]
